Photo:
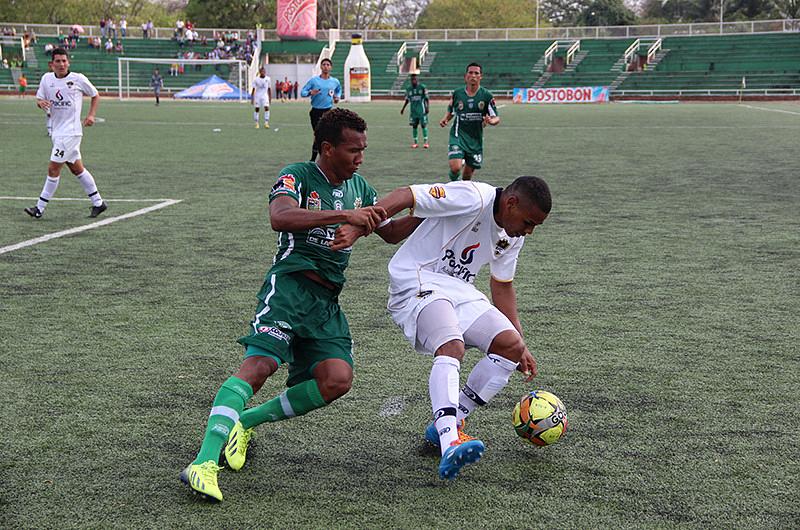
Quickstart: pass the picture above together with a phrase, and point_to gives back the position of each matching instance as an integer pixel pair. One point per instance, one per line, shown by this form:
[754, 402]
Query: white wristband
[384, 222]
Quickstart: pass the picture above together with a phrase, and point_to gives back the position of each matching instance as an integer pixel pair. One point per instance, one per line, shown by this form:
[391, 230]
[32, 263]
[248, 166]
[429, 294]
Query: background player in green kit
[298, 320]
[473, 108]
[417, 95]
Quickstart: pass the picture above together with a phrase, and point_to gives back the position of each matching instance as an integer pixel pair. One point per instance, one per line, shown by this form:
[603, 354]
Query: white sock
[87, 181]
[266, 116]
[255, 116]
[443, 387]
[486, 380]
[49, 189]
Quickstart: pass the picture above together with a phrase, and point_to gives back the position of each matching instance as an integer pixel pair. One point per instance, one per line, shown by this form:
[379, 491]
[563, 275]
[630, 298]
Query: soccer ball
[540, 418]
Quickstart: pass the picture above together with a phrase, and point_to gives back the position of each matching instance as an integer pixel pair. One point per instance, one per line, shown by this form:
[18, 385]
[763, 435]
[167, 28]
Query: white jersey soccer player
[260, 96]
[61, 94]
[432, 297]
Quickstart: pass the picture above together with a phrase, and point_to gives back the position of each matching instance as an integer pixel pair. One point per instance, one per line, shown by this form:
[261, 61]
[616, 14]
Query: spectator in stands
[112, 28]
[123, 26]
[173, 69]
[119, 48]
[33, 38]
[109, 46]
[144, 30]
[5, 63]
[103, 28]
[48, 49]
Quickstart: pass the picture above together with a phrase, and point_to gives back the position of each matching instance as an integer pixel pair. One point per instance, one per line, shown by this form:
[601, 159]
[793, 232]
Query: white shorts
[66, 149]
[467, 301]
[261, 102]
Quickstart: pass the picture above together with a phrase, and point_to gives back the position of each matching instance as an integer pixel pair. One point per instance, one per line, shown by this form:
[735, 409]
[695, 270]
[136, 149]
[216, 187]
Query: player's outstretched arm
[286, 216]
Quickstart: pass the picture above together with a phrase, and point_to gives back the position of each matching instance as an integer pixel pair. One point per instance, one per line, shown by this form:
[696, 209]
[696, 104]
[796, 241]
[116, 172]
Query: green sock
[228, 405]
[425, 134]
[453, 175]
[294, 401]
[415, 134]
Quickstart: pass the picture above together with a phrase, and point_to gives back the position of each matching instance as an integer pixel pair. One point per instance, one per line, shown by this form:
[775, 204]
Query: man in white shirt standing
[61, 95]
[433, 300]
[260, 95]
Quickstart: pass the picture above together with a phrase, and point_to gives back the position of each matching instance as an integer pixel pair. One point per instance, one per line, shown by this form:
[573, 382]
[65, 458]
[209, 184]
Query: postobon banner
[586, 94]
[297, 19]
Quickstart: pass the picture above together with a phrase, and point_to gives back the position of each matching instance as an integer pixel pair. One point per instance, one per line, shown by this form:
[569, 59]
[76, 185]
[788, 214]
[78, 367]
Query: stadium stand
[767, 61]
[593, 64]
[101, 67]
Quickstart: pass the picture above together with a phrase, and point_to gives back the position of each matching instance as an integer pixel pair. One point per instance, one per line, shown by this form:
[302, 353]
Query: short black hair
[534, 189]
[332, 123]
[59, 51]
[326, 59]
[473, 64]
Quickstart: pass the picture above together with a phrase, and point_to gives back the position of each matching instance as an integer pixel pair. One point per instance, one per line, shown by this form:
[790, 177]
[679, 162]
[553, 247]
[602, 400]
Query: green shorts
[416, 121]
[300, 322]
[472, 159]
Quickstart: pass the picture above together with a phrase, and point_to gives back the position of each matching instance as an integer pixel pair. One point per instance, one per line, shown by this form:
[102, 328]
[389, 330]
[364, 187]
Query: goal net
[134, 74]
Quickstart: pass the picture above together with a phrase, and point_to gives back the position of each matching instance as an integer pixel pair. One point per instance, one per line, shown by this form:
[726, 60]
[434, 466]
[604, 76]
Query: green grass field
[661, 299]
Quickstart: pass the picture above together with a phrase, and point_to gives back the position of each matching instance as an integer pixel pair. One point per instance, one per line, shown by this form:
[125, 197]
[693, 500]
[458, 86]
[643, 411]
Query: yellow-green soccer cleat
[202, 478]
[236, 448]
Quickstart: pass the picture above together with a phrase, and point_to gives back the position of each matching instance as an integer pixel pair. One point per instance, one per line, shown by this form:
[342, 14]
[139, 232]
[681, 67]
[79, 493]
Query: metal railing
[541, 33]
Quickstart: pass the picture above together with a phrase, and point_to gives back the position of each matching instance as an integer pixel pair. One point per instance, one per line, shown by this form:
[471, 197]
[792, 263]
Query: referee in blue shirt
[324, 91]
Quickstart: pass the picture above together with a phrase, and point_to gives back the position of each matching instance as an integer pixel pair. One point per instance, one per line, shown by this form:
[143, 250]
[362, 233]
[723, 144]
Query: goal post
[141, 80]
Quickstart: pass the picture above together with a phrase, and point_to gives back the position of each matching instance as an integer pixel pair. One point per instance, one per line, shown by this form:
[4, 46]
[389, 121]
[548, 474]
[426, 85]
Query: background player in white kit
[61, 95]
[432, 297]
[260, 95]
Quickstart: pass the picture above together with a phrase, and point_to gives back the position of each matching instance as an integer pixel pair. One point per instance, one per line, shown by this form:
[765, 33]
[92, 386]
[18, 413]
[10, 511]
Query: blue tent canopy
[211, 88]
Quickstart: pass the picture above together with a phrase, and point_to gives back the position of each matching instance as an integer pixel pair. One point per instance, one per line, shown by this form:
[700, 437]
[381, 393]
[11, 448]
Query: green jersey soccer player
[298, 320]
[417, 96]
[473, 108]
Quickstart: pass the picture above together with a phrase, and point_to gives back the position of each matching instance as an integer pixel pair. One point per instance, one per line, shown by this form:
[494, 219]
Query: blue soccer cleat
[432, 435]
[458, 455]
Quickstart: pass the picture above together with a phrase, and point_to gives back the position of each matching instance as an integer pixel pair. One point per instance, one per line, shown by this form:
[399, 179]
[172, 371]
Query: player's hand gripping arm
[392, 232]
[43, 104]
[89, 120]
[504, 298]
[286, 216]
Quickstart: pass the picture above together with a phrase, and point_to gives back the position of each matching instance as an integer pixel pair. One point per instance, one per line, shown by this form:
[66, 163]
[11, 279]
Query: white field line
[84, 199]
[78, 229]
[772, 110]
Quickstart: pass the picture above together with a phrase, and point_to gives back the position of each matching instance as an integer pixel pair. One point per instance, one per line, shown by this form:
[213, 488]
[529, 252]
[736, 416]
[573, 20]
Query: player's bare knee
[335, 384]
[256, 370]
[454, 348]
[508, 344]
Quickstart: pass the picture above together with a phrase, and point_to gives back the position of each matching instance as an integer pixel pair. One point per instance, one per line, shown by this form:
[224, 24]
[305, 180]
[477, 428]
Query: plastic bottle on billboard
[357, 79]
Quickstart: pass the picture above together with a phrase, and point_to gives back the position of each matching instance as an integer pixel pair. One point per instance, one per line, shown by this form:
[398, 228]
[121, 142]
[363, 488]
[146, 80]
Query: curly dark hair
[332, 123]
[534, 189]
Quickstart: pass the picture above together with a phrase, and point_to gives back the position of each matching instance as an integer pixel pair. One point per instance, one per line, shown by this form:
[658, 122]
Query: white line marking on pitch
[78, 229]
[82, 199]
[772, 110]
[394, 406]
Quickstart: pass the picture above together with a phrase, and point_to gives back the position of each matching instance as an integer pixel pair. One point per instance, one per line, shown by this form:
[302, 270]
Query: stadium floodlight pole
[721, 10]
[339, 14]
[537, 19]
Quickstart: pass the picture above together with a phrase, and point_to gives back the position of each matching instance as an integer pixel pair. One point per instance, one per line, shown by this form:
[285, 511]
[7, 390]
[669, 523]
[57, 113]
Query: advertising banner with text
[586, 94]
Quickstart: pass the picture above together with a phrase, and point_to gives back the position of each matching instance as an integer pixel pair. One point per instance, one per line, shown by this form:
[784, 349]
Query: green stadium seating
[767, 61]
